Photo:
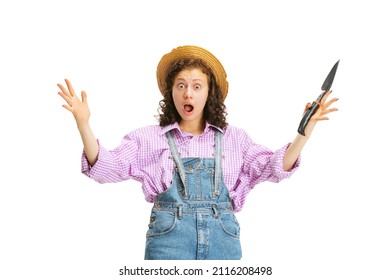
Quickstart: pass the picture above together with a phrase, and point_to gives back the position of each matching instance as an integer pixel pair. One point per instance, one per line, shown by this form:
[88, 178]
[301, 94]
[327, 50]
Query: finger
[325, 97]
[67, 108]
[307, 107]
[330, 102]
[83, 97]
[329, 111]
[71, 91]
[321, 118]
[63, 89]
[65, 97]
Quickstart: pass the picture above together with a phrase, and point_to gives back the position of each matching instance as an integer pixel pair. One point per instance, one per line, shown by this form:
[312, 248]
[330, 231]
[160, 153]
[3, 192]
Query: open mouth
[188, 108]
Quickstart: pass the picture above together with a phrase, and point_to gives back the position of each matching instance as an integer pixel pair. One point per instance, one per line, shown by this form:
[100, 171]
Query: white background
[329, 221]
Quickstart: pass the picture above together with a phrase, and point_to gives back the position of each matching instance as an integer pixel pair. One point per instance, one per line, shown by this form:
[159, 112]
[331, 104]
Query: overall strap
[218, 162]
[176, 157]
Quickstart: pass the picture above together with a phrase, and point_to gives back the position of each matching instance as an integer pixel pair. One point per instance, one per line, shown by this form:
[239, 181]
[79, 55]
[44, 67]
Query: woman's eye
[197, 86]
[181, 86]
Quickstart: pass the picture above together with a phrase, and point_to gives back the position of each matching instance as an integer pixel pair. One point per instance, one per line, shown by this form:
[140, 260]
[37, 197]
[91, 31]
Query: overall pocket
[161, 223]
[229, 224]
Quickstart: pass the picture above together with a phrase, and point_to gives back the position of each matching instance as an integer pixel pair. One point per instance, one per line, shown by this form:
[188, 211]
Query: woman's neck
[194, 128]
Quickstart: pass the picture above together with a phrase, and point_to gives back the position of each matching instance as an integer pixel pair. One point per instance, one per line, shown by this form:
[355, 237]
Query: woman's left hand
[295, 148]
[322, 112]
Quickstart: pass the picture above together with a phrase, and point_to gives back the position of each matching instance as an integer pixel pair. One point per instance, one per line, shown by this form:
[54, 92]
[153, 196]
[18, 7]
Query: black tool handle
[306, 117]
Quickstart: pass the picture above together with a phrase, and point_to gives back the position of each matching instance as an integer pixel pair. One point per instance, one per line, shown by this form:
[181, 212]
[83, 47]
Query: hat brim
[192, 52]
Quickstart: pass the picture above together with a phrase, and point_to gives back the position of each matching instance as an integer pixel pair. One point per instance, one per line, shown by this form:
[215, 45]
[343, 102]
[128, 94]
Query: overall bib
[194, 219]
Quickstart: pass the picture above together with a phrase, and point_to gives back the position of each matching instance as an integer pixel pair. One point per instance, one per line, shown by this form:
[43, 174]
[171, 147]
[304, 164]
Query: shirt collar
[175, 126]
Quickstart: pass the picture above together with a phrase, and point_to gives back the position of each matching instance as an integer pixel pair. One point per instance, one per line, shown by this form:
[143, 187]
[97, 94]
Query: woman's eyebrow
[194, 80]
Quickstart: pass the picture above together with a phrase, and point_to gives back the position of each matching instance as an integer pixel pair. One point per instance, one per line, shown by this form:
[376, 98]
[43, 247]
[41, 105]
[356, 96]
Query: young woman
[195, 168]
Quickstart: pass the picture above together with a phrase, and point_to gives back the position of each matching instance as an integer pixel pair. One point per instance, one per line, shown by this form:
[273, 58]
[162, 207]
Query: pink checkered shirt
[144, 155]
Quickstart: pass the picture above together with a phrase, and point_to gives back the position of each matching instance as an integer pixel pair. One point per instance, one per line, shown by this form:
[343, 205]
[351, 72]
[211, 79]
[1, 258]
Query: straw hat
[192, 52]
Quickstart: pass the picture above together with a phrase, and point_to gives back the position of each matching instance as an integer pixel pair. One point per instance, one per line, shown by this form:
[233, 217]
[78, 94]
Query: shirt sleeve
[262, 164]
[114, 165]
[259, 164]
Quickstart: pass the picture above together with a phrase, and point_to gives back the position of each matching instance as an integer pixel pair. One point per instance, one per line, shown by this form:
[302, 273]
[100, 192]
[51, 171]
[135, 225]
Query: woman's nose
[188, 94]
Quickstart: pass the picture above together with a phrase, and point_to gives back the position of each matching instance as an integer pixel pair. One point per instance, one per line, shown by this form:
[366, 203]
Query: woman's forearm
[295, 148]
[293, 152]
[90, 143]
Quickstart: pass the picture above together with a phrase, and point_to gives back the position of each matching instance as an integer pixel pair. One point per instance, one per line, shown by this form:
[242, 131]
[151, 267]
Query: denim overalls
[193, 219]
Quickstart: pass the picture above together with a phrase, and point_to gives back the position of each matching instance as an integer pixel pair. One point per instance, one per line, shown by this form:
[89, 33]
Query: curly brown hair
[214, 110]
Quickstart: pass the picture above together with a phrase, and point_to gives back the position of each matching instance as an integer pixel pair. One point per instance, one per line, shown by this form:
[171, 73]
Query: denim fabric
[193, 219]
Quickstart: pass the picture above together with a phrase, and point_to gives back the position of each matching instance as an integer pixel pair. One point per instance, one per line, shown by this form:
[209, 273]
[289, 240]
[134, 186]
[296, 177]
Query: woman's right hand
[79, 108]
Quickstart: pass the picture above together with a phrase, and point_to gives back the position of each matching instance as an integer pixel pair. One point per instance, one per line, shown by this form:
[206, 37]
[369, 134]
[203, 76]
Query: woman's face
[190, 92]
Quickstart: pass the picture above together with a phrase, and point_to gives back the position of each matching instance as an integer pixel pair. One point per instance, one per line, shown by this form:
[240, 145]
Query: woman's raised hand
[323, 109]
[322, 112]
[79, 108]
